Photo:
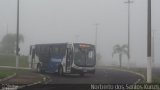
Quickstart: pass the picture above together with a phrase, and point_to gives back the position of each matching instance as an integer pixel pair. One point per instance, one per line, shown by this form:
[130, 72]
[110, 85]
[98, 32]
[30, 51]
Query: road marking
[137, 81]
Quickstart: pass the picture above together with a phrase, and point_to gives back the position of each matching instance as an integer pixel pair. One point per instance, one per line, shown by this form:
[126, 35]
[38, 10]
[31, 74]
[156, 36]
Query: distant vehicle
[63, 58]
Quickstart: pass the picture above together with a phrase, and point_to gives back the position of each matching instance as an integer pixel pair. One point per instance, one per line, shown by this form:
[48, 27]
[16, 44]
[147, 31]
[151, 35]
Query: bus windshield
[84, 55]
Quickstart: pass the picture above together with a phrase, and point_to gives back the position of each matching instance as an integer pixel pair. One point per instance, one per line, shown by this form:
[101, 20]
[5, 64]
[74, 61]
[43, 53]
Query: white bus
[63, 58]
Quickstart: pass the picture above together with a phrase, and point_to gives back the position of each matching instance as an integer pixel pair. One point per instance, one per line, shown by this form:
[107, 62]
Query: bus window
[58, 52]
[33, 53]
[90, 54]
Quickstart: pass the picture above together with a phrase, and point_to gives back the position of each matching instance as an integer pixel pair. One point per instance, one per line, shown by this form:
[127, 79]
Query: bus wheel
[60, 71]
[81, 74]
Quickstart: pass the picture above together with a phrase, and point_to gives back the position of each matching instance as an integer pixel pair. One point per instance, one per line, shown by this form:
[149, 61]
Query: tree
[8, 43]
[117, 49]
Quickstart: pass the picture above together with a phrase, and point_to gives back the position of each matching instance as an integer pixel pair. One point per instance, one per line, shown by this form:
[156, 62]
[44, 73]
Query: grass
[4, 74]
[22, 76]
[143, 71]
[10, 60]
[23, 60]
[156, 78]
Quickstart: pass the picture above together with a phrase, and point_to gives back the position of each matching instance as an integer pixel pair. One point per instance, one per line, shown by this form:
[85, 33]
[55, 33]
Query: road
[102, 76]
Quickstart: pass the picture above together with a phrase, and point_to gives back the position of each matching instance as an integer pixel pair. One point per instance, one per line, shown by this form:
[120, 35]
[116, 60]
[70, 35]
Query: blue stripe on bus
[53, 64]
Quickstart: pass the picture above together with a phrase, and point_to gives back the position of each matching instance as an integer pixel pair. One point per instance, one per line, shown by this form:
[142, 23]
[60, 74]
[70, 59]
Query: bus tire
[60, 71]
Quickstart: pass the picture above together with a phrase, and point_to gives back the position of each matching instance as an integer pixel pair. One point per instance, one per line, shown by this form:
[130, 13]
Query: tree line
[8, 43]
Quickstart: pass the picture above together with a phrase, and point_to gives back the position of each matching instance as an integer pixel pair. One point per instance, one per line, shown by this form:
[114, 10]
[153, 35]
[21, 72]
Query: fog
[56, 21]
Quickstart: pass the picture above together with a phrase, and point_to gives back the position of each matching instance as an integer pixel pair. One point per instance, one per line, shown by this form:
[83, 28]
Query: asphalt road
[102, 76]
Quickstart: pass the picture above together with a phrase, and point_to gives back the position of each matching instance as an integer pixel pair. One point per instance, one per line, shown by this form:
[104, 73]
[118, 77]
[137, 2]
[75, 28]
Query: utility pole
[149, 61]
[129, 2]
[17, 44]
[152, 45]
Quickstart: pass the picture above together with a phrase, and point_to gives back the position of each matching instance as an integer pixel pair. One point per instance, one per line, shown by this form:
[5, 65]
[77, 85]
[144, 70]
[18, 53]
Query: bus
[63, 58]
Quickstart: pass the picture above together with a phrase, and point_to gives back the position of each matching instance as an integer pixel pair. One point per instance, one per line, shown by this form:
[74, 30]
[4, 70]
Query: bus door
[32, 56]
[69, 59]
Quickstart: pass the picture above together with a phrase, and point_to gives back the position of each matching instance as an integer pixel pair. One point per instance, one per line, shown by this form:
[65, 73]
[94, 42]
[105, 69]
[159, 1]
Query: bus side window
[61, 52]
[52, 52]
[36, 50]
[33, 53]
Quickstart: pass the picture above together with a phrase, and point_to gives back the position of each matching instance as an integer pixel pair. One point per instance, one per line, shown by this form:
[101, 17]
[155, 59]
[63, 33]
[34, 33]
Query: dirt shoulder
[23, 77]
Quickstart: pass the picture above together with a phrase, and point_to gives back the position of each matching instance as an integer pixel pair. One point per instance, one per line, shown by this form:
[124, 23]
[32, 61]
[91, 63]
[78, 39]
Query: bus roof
[63, 44]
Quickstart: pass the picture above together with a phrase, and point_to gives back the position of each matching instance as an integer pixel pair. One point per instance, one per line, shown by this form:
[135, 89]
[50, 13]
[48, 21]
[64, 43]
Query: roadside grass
[143, 71]
[22, 76]
[156, 80]
[10, 60]
[4, 74]
[23, 60]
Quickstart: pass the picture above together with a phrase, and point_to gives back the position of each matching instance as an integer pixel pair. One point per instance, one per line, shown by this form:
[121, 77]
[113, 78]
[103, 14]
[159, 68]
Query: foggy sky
[54, 21]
